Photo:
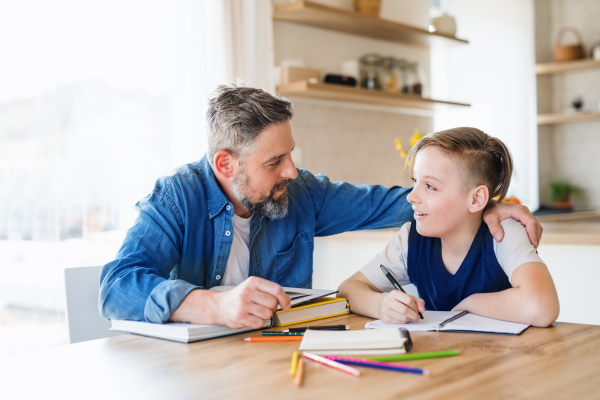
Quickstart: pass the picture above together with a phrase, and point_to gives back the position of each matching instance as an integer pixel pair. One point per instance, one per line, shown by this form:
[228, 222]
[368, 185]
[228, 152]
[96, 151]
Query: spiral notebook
[455, 321]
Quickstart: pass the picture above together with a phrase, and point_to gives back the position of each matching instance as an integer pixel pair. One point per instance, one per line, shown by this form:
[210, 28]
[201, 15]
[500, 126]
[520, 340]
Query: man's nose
[289, 171]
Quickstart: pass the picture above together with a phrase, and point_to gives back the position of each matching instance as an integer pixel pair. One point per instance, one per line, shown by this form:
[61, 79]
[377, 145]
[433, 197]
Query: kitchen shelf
[337, 19]
[327, 91]
[549, 119]
[565, 66]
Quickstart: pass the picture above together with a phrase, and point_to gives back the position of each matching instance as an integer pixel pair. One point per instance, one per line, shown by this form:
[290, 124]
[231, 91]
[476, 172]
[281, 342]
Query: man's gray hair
[237, 114]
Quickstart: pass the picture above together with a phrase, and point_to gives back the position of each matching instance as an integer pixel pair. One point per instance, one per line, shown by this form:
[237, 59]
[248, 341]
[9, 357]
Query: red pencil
[273, 339]
[332, 364]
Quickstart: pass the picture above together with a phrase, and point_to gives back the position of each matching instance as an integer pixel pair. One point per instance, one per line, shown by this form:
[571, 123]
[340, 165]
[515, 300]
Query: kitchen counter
[556, 231]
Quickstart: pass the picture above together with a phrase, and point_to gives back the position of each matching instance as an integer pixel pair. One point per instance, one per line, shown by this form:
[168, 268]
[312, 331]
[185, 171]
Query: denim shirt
[182, 238]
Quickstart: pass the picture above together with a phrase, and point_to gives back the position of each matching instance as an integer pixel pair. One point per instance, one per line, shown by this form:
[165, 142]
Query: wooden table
[560, 362]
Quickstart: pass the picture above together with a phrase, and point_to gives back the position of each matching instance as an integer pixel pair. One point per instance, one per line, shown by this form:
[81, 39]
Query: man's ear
[478, 198]
[224, 163]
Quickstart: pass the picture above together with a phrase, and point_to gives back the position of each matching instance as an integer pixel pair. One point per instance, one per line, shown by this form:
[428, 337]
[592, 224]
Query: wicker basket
[570, 52]
[369, 7]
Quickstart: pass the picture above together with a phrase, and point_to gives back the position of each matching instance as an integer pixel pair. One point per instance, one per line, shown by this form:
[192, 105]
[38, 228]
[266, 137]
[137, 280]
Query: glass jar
[370, 71]
[408, 78]
[401, 73]
[389, 75]
[419, 81]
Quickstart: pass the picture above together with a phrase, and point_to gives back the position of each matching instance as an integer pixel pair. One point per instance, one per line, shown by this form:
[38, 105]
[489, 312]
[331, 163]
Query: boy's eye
[413, 180]
[430, 187]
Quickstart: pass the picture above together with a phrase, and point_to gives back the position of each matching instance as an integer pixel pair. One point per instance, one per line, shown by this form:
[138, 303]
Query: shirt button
[227, 233]
[218, 277]
[228, 208]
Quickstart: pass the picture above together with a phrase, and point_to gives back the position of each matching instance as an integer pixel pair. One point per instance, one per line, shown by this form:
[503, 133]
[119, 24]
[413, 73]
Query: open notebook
[455, 321]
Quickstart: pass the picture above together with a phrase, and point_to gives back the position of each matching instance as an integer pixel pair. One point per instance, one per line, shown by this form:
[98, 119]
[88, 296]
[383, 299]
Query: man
[243, 215]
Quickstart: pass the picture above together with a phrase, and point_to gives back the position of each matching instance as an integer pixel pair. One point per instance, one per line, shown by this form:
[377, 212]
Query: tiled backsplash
[353, 145]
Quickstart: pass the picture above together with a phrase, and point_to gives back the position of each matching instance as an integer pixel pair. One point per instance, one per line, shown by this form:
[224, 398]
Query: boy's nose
[412, 197]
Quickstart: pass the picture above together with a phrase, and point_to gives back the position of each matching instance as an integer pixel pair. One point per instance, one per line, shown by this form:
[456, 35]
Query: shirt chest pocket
[295, 266]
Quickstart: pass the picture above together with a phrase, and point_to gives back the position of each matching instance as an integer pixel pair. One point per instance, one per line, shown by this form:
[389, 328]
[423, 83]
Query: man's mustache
[280, 185]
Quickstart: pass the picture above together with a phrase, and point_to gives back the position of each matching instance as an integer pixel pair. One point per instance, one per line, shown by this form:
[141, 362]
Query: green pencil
[416, 356]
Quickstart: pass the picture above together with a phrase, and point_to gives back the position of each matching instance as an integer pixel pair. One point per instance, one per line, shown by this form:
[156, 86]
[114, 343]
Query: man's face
[260, 182]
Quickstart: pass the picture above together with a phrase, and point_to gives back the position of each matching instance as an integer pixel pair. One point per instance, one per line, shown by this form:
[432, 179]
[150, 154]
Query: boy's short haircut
[486, 160]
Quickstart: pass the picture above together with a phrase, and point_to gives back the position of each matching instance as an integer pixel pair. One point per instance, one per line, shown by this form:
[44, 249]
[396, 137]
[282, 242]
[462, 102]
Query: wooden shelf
[336, 19]
[565, 66]
[327, 91]
[549, 119]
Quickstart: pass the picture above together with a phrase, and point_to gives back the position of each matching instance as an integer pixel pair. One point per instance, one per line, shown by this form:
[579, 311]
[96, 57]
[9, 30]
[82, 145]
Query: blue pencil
[378, 364]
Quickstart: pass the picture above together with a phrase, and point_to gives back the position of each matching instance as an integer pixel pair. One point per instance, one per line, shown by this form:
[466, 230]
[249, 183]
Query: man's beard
[270, 208]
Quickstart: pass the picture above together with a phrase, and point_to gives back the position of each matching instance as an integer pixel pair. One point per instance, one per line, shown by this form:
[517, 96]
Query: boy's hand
[399, 308]
[503, 210]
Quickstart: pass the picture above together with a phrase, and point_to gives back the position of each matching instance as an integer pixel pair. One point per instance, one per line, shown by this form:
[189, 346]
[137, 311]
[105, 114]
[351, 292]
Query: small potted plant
[562, 193]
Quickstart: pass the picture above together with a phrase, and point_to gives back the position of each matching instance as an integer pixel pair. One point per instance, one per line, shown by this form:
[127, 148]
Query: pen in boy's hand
[392, 278]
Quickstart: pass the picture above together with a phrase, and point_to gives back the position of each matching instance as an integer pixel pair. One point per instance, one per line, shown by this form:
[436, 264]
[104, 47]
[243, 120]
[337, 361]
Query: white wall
[576, 273]
[495, 73]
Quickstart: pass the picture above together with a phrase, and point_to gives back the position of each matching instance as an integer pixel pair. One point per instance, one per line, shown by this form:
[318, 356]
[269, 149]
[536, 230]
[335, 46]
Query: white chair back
[82, 286]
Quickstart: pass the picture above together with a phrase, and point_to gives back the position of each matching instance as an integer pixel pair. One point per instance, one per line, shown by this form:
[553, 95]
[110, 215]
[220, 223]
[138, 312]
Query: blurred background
[99, 99]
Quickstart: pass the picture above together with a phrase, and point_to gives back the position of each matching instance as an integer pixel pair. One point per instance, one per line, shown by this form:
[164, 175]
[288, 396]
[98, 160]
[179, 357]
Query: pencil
[299, 373]
[274, 339]
[271, 333]
[333, 364]
[361, 362]
[294, 363]
[416, 356]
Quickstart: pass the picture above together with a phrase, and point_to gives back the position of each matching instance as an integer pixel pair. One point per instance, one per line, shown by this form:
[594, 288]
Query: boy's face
[440, 202]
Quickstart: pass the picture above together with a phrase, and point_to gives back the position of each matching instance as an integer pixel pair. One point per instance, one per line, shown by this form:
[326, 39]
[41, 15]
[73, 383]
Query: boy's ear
[224, 164]
[478, 198]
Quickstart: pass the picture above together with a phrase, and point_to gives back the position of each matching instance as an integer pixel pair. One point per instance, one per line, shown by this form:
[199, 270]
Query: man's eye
[276, 163]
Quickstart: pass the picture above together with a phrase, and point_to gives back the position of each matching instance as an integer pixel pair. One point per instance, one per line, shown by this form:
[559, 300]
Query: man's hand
[400, 308]
[501, 211]
[250, 303]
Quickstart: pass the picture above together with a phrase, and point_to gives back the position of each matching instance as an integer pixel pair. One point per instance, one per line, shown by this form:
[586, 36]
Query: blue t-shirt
[479, 272]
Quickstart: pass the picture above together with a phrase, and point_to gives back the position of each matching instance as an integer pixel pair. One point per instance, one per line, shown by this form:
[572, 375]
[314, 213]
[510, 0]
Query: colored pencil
[361, 362]
[299, 373]
[333, 364]
[416, 356]
[273, 339]
[343, 359]
[294, 363]
[271, 333]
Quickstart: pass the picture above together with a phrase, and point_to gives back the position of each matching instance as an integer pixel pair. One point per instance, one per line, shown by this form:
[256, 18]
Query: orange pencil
[299, 373]
[273, 339]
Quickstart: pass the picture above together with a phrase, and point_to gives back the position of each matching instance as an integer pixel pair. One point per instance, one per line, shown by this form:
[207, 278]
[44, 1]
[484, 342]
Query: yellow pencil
[299, 373]
[294, 363]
